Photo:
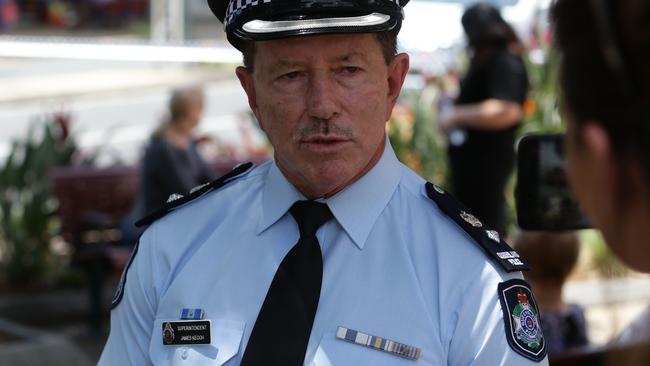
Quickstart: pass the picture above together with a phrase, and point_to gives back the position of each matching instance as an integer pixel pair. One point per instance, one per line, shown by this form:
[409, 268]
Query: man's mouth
[324, 143]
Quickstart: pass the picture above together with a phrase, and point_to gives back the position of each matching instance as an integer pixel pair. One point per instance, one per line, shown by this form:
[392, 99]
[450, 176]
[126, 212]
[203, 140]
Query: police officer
[334, 253]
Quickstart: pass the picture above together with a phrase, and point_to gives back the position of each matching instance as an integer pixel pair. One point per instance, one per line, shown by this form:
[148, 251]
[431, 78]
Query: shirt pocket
[225, 336]
[332, 351]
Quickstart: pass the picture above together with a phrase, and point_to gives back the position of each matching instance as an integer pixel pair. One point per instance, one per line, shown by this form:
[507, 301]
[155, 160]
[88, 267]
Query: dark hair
[387, 40]
[551, 255]
[485, 27]
[594, 90]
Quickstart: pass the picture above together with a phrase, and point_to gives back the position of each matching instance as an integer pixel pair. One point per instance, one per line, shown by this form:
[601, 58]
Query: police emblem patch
[521, 318]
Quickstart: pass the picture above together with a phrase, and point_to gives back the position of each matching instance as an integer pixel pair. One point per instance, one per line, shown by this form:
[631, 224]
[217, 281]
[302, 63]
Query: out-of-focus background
[85, 83]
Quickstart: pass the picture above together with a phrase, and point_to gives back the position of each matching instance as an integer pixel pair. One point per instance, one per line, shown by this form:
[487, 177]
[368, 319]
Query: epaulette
[489, 240]
[177, 200]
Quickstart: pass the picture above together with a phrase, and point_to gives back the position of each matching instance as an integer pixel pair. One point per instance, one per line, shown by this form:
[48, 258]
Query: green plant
[413, 136]
[27, 206]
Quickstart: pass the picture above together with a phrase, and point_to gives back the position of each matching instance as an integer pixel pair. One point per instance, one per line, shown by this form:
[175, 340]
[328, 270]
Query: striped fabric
[237, 6]
[378, 343]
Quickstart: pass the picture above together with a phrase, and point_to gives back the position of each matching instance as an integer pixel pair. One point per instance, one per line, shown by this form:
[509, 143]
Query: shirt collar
[278, 195]
[356, 207]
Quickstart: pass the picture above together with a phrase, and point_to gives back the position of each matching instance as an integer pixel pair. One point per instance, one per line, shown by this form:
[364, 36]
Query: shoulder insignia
[119, 291]
[489, 240]
[521, 318]
[177, 200]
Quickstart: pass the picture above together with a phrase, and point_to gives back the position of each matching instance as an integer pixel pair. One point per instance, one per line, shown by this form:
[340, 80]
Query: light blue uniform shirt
[394, 267]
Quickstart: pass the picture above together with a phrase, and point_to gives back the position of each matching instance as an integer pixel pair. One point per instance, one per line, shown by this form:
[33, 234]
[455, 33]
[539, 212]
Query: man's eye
[351, 69]
[291, 75]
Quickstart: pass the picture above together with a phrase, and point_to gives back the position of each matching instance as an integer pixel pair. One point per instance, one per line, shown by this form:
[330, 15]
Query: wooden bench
[92, 201]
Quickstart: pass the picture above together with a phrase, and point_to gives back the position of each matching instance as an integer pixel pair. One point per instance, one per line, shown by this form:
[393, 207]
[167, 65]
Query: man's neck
[312, 192]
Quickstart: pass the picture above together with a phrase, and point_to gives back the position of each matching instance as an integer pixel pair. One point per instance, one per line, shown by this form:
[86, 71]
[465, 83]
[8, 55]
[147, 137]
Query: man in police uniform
[333, 253]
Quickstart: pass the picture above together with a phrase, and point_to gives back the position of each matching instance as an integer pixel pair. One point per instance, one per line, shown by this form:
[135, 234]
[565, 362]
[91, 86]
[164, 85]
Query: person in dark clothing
[172, 164]
[481, 127]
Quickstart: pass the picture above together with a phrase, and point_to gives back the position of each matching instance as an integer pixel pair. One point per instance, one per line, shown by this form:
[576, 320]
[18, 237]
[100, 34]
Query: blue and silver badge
[521, 318]
[192, 314]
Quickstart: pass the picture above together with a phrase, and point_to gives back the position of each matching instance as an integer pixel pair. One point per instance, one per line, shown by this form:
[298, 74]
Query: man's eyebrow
[284, 64]
[350, 56]
[289, 64]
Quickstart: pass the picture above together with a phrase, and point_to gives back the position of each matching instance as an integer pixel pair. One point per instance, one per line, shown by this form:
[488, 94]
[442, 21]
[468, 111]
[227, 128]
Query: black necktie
[283, 326]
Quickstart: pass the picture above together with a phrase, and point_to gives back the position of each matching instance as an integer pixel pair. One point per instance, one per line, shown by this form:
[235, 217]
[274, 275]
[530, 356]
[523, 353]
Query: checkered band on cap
[259, 20]
[237, 6]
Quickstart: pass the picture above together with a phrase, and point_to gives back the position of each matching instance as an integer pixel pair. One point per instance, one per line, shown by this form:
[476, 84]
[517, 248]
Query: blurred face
[192, 116]
[580, 171]
[611, 191]
[323, 102]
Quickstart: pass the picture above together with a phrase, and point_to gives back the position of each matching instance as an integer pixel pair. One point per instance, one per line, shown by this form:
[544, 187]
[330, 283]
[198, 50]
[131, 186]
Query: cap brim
[260, 27]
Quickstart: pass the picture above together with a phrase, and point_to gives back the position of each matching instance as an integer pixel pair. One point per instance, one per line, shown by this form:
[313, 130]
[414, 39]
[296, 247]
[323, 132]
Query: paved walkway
[33, 79]
[610, 304]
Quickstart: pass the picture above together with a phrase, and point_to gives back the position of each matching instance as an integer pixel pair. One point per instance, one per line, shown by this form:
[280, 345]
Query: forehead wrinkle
[289, 64]
[288, 53]
[350, 56]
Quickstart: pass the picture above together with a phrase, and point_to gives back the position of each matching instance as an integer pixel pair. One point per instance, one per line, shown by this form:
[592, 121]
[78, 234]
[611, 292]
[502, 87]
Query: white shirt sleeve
[479, 336]
[133, 317]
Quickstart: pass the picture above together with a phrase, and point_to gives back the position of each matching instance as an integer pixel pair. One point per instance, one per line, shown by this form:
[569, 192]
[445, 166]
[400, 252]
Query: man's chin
[331, 180]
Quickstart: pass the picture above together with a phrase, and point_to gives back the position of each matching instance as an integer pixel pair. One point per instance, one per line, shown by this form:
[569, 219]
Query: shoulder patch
[521, 319]
[177, 200]
[489, 240]
[119, 291]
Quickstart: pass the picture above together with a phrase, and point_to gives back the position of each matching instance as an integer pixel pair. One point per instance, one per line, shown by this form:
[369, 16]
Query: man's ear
[397, 70]
[246, 80]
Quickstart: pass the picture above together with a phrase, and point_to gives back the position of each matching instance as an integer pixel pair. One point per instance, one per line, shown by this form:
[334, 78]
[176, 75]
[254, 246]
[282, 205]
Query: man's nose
[322, 100]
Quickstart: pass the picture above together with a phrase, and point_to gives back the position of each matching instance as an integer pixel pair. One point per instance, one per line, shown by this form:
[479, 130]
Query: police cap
[258, 20]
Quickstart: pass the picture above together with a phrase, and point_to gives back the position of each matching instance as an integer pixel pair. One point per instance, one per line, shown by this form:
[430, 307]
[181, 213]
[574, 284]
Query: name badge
[186, 332]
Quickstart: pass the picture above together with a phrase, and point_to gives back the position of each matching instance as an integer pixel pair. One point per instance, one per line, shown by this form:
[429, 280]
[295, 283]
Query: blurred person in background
[172, 163]
[552, 256]
[481, 126]
[8, 15]
[604, 50]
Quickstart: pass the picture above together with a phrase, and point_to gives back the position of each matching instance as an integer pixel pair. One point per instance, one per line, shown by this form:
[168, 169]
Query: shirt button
[184, 353]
